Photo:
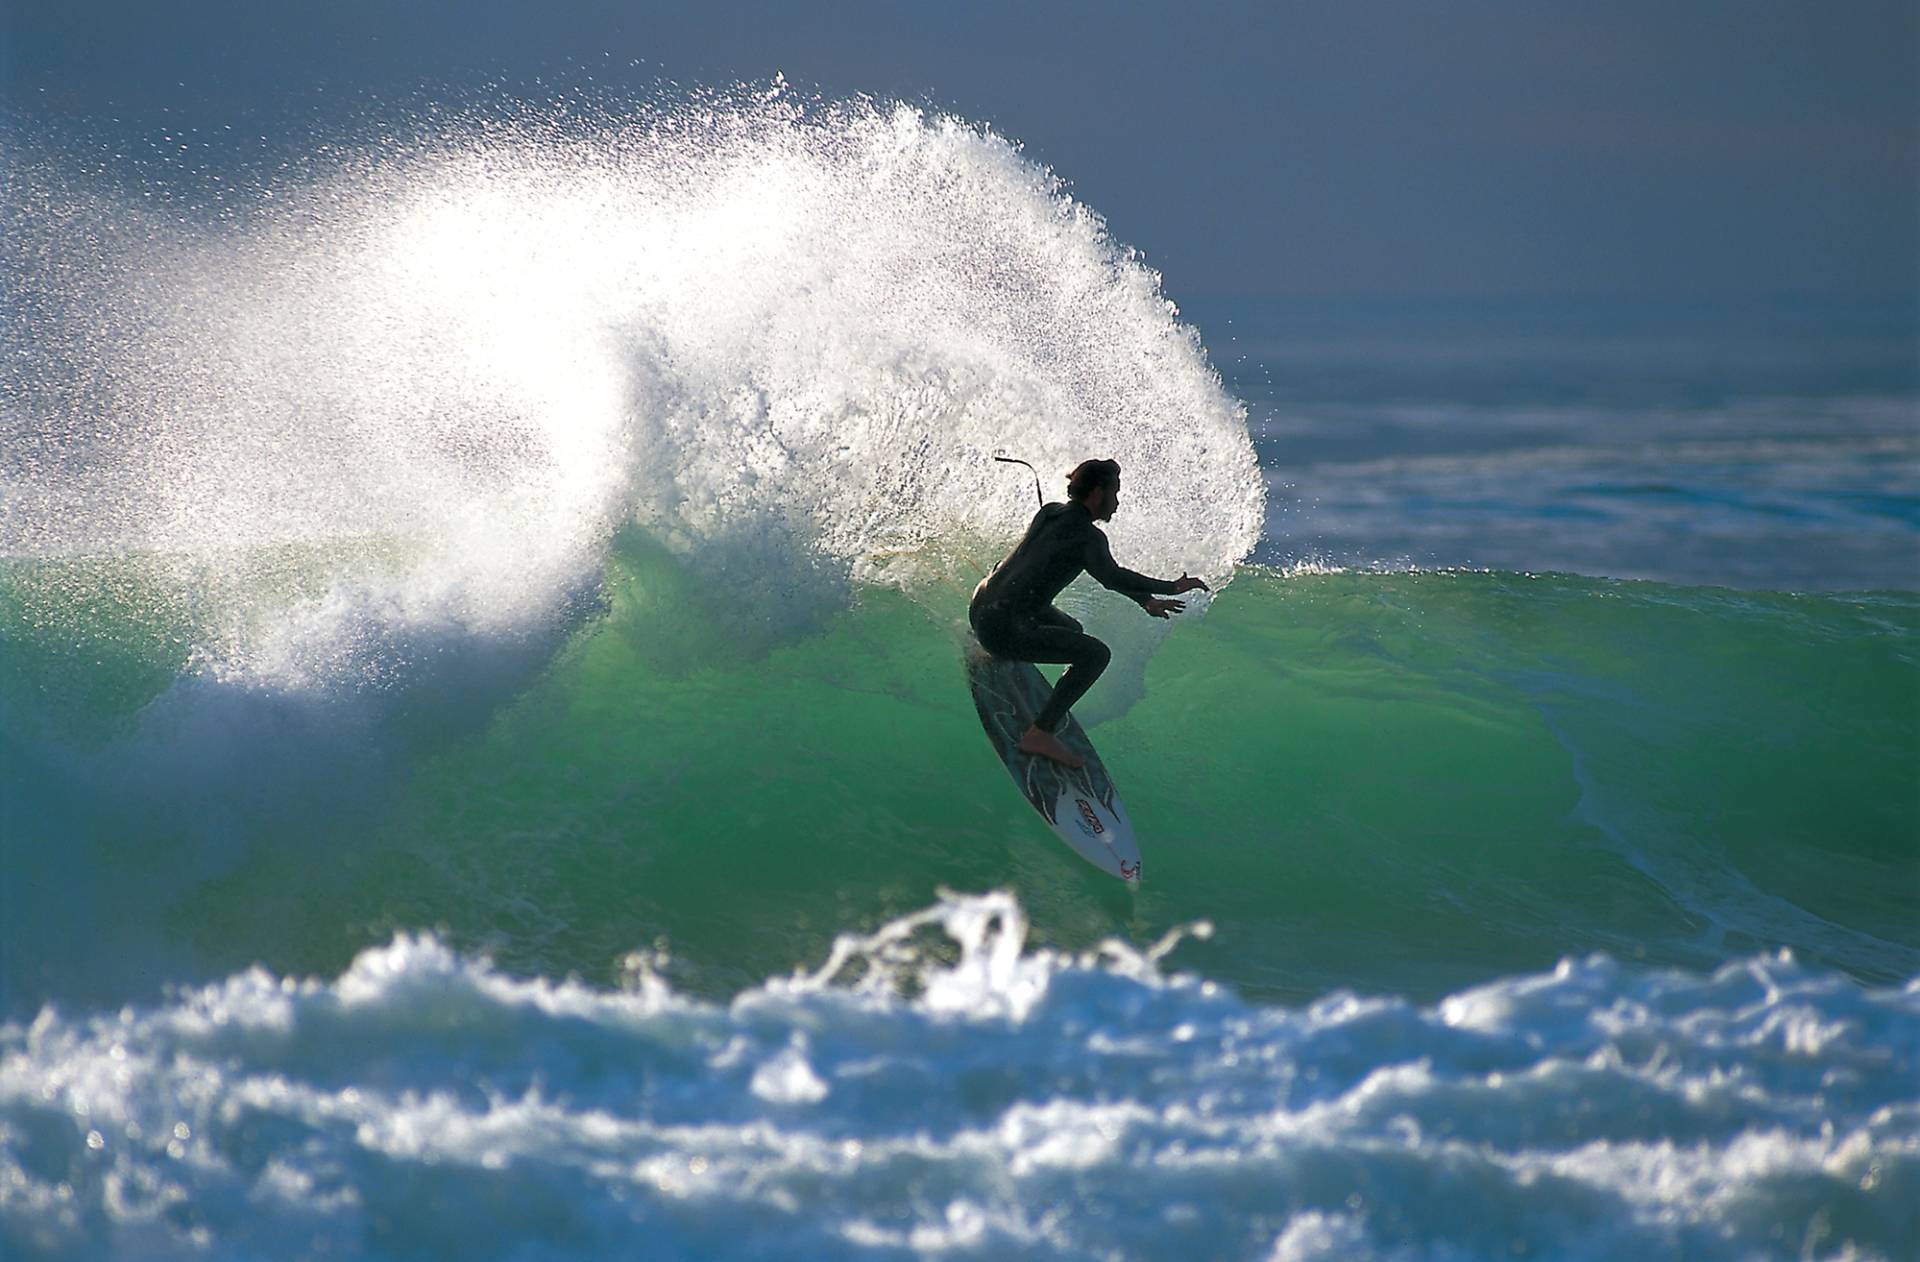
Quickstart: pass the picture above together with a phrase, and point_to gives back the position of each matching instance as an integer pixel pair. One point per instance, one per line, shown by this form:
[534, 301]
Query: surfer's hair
[1090, 475]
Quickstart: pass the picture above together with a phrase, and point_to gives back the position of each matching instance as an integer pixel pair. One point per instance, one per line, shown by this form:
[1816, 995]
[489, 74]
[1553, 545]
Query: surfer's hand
[1161, 608]
[1186, 583]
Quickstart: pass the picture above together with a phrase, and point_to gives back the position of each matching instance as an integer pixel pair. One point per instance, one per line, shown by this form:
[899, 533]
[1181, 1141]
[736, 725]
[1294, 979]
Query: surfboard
[1078, 803]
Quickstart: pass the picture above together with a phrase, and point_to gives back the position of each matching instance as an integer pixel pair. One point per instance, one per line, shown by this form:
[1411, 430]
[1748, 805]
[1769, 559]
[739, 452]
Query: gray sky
[1342, 147]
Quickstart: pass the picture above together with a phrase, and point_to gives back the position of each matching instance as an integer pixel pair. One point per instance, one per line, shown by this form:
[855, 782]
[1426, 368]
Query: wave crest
[781, 337]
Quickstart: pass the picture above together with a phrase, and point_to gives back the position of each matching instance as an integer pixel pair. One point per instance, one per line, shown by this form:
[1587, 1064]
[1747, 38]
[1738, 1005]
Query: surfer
[1012, 611]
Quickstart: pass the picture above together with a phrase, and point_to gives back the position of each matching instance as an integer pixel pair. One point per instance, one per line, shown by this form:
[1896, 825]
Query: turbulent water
[1022, 1105]
[485, 763]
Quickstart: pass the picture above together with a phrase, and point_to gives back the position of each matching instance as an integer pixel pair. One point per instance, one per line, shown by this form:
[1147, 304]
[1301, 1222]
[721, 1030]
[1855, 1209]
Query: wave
[1401, 782]
[308, 477]
[555, 528]
[941, 1085]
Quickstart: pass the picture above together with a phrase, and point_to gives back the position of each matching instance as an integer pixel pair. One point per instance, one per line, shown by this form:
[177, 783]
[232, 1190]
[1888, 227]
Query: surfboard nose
[1078, 804]
[1098, 831]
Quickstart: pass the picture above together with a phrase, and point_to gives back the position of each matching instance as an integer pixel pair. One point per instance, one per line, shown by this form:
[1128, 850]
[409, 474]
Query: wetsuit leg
[1086, 659]
[1048, 636]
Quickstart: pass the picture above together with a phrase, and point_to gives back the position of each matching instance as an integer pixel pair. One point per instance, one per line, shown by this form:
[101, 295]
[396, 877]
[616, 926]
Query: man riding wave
[1012, 609]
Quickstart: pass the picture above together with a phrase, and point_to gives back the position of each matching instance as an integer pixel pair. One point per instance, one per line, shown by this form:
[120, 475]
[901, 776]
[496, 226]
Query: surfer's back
[1049, 556]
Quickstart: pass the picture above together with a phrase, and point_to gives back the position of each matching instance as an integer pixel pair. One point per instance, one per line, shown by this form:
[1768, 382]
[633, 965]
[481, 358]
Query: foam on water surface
[428, 533]
[963, 1094]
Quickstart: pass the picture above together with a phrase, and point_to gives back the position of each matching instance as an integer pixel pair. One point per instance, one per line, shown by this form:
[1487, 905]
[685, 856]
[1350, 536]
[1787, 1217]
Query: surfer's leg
[1047, 636]
[1052, 617]
[1085, 657]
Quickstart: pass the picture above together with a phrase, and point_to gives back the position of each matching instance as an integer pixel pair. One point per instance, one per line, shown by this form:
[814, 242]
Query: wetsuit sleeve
[1114, 577]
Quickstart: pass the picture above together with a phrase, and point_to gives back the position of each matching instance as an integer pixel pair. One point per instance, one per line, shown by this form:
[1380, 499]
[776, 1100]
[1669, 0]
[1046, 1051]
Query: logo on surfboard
[1006, 694]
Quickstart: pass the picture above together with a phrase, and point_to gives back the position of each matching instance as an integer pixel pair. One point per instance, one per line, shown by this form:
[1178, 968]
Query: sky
[1397, 149]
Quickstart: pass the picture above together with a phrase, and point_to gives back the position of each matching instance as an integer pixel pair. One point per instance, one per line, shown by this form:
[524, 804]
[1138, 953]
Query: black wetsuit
[1012, 610]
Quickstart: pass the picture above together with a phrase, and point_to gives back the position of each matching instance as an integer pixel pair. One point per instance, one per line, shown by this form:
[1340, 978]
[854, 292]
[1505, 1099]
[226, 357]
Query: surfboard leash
[1030, 469]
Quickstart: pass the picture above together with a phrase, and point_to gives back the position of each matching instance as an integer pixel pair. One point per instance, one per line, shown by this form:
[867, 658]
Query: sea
[486, 769]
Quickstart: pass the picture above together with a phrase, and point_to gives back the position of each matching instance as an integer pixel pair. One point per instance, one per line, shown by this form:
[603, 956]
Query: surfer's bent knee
[1097, 654]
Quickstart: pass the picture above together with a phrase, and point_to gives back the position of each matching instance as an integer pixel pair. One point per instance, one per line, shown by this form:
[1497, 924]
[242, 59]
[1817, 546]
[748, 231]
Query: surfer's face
[1102, 502]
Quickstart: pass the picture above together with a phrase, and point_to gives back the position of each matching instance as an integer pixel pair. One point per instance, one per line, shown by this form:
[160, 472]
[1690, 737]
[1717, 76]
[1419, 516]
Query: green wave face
[1402, 782]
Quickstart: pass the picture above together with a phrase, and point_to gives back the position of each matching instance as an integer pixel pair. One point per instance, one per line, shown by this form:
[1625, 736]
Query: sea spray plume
[317, 467]
[781, 336]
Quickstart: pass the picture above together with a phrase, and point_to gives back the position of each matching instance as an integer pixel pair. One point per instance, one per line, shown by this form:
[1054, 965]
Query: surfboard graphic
[1078, 803]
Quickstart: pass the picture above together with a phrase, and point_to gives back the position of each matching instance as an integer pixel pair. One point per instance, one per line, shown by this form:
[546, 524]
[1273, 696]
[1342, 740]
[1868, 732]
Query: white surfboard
[1078, 803]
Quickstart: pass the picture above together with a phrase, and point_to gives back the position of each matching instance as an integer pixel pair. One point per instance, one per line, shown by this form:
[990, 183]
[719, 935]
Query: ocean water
[1767, 443]
[485, 768]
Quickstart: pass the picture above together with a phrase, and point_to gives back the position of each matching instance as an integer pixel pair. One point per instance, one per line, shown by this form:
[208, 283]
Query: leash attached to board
[1030, 469]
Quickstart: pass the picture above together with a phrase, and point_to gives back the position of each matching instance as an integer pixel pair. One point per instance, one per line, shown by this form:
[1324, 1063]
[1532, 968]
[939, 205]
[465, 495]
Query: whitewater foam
[1012, 1102]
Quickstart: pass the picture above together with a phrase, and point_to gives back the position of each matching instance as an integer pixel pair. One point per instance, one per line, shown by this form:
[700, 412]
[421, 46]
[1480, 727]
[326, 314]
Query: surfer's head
[1096, 485]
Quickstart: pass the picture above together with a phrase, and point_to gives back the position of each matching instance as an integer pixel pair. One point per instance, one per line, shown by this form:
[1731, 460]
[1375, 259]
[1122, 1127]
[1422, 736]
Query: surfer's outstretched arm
[1137, 587]
[1161, 608]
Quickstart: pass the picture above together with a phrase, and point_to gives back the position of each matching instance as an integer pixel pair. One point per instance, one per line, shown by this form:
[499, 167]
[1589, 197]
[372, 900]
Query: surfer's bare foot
[1044, 743]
